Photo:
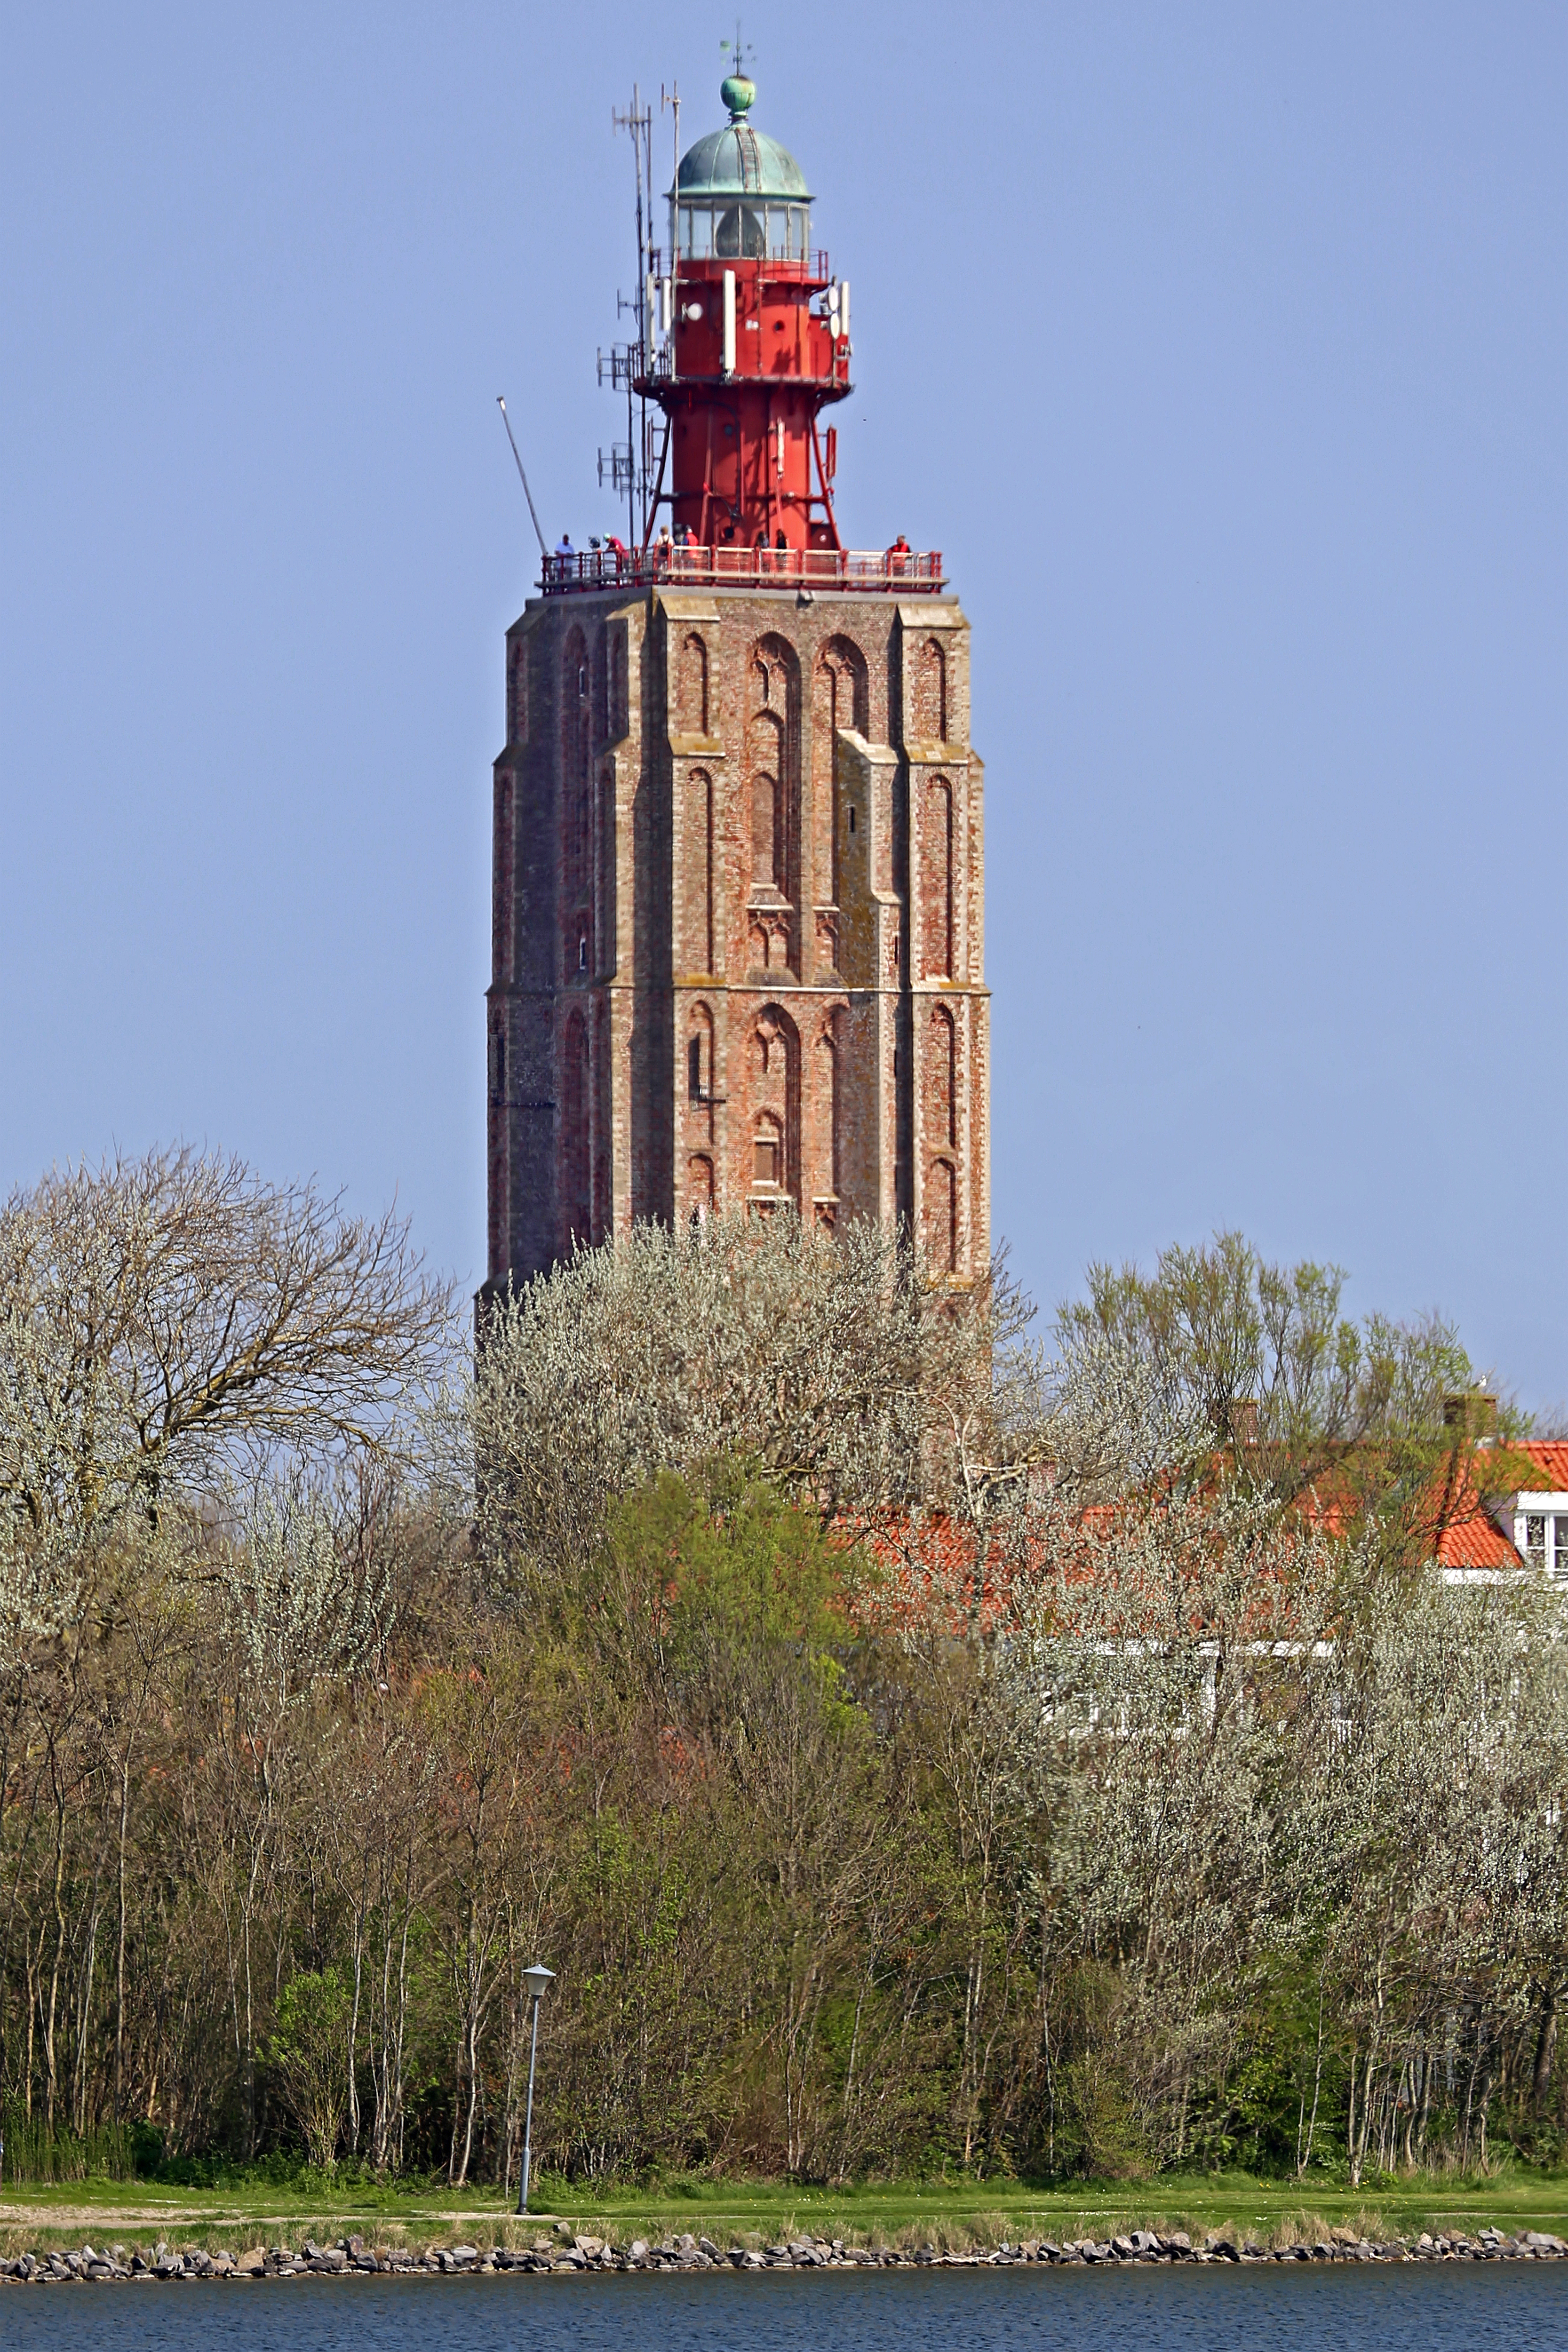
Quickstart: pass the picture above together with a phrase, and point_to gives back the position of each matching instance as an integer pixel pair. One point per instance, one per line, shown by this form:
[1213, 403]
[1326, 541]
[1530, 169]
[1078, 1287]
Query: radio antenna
[528, 494]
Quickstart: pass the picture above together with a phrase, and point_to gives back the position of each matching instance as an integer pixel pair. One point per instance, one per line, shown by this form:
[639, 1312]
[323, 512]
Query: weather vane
[739, 53]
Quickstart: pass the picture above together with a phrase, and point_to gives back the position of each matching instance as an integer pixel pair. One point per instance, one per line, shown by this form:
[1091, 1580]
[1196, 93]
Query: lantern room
[738, 195]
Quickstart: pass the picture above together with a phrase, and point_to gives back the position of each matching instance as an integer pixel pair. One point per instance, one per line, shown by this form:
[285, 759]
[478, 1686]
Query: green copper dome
[739, 160]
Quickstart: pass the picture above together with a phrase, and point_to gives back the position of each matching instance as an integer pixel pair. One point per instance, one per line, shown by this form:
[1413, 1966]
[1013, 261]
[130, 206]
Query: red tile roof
[932, 1562]
[1552, 1454]
[1472, 1539]
[1471, 1536]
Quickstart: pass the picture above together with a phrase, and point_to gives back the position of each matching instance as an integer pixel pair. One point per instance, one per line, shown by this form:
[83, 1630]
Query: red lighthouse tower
[755, 344]
[739, 865]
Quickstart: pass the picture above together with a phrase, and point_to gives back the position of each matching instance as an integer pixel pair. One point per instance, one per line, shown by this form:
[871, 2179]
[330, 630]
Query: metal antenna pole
[635, 127]
[649, 329]
[528, 494]
[674, 102]
[528, 2121]
[671, 97]
[645, 165]
[632, 122]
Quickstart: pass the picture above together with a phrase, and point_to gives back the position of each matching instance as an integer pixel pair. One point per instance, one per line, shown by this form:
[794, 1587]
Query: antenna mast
[528, 494]
[637, 122]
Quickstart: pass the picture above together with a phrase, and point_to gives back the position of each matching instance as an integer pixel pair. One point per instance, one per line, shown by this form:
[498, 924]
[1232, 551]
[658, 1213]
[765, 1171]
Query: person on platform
[663, 547]
[899, 554]
[565, 551]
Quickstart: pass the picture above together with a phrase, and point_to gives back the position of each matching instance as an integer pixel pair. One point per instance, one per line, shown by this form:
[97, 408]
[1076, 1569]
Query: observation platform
[901, 571]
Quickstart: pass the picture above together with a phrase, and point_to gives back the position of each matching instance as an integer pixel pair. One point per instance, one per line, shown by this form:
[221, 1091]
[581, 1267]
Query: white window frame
[1549, 1505]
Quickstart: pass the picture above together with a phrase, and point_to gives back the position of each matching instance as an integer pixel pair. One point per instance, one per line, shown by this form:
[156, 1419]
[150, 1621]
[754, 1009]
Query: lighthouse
[755, 346]
[738, 860]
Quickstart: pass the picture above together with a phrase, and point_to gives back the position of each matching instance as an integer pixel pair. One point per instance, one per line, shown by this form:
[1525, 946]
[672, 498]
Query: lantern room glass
[727, 230]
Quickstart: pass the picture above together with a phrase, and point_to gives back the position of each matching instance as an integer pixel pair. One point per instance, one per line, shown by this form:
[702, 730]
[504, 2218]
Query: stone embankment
[570, 2251]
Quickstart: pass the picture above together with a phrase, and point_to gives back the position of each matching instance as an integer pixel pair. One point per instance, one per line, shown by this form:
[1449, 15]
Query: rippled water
[1153, 2310]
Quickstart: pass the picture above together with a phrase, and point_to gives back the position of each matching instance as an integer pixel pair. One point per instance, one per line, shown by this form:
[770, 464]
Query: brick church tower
[738, 905]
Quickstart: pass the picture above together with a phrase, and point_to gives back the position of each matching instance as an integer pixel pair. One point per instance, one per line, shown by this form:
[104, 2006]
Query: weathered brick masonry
[738, 920]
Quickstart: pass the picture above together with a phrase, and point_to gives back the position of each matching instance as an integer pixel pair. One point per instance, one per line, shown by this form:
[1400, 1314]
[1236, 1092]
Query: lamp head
[538, 1981]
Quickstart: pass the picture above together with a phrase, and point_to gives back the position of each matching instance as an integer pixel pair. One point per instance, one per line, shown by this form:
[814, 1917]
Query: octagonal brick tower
[738, 903]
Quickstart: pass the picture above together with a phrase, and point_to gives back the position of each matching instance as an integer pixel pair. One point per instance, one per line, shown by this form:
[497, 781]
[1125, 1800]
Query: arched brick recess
[603, 907]
[929, 696]
[829, 1110]
[773, 1104]
[699, 1056]
[517, 692]
[842, 680]
[691, 686]
[577, 830]
[699, 1194]
[618, 714]
[936, 879]
[841, 699]
[771, 786]
[700, 945]
[941, 1080]
[941, 1215]
[575, 1099]
[769, 867]
[504, 872]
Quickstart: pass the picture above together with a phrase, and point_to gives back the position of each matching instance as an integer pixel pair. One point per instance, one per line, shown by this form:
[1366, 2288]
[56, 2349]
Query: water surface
[1277, 2308]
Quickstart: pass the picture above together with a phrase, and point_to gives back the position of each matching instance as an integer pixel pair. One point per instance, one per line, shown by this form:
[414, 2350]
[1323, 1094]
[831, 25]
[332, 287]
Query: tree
[306, 2054]
[847, 1375]
[167, 1318]
[1263, 1351]
[907, 1750]
[1258, 1359]
[749, 1895]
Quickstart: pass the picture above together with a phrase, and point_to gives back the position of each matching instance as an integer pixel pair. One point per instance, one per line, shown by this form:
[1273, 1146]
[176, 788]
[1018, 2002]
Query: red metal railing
[899, 572]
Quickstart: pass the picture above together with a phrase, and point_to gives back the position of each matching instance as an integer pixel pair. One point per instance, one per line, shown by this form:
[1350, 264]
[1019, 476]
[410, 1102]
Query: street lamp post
[536, 1980]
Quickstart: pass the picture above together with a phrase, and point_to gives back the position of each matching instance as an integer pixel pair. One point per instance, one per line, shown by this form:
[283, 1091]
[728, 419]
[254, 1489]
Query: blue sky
[1222, 348]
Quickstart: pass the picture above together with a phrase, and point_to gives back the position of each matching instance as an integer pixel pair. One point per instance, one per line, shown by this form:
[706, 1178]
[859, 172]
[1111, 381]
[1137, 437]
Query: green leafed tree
[306, 2054]
[1261, 1361]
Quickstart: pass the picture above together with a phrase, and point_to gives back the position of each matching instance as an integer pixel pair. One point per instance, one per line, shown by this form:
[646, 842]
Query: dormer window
[1540, 1532]
[1546, 1541]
